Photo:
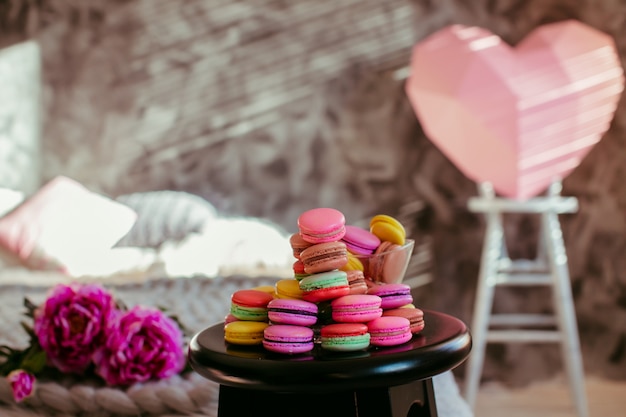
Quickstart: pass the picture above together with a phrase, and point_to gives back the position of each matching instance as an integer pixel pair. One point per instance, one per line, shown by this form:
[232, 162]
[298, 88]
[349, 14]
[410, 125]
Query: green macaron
[324, 286]
[345, 337]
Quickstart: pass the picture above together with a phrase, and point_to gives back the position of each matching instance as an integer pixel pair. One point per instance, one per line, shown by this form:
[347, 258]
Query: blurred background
[268, 108]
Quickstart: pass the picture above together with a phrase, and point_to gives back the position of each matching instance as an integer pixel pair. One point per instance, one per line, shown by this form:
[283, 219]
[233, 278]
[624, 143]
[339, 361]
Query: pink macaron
[296, 312]
[229, 319]
[288, 339]
[389, 263]
[358, 308]
[321, 225]
[392, 295]
[389, 331]
[360, 241]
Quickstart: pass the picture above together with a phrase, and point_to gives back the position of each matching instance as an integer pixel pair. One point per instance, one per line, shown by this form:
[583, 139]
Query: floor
[551, 399]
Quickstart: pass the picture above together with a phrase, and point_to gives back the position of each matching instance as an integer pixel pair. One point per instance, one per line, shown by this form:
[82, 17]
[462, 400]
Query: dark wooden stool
[393, 381]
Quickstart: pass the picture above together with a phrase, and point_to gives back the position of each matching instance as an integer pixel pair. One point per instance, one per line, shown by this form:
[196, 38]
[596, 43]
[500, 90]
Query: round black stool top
[444, 343]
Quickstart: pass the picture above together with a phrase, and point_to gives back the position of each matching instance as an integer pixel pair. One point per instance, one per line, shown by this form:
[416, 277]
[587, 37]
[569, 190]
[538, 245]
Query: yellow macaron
[354, 264]
[386, 228]
[265, 288]
[245, 332]
[288, 288]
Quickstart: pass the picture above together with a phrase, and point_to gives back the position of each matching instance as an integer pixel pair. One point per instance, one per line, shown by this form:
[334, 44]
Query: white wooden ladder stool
[549, 268]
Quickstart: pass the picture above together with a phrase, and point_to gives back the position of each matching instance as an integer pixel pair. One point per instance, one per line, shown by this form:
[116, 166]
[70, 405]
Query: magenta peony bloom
[21, 384]
[142, 344]
[70, 324]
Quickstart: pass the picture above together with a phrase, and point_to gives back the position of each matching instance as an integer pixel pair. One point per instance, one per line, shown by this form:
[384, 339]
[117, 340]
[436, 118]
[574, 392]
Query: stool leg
[415, 399]
[566, 314]
[492, 251]
[240, 402]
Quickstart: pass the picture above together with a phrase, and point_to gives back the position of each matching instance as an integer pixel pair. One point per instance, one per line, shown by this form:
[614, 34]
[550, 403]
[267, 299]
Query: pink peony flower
[70, 324]
[142, 344]
[21, 384]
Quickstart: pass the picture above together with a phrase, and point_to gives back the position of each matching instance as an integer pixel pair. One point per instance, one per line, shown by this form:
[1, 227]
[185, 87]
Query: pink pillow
[62, 222]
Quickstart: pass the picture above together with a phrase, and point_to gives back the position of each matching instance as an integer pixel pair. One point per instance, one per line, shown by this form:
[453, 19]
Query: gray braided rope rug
[199, 302]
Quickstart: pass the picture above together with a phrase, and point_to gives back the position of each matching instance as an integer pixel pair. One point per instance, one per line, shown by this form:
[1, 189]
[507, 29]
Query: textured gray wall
[267, 108]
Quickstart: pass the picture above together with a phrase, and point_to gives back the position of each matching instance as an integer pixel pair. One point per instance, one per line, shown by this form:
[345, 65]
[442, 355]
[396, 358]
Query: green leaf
[35, 360]
[13, 360]
[30, 308]
[6, 351]
[29, 330]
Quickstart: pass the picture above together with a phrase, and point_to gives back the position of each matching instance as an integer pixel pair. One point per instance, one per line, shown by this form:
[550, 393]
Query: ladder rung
[523, 279]
[522, 320]
[523, 336]
[552, 204]
[523, 265]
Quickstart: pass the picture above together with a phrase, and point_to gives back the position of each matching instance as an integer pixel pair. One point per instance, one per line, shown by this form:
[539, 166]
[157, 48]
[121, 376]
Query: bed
[168, 248]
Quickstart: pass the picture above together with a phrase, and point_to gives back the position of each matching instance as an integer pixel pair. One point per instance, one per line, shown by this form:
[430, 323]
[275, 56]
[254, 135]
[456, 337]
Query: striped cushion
[165, 216]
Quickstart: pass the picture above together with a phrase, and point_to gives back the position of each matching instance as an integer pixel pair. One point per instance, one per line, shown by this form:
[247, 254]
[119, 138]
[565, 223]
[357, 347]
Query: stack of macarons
[318, 248]
[329, 299]
[263, 316]
[248, 317]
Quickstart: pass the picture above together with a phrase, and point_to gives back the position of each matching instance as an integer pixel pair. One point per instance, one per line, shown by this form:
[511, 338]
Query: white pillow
[9, 199]
[62, 223]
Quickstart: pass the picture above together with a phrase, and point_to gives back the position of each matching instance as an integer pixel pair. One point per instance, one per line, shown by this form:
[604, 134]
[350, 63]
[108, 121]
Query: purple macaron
[360, 241]
[288, 339]
[392, 295]
[288, 311]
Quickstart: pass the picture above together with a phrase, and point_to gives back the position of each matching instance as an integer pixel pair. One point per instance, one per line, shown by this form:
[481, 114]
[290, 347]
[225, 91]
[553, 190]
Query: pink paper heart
[518, 117]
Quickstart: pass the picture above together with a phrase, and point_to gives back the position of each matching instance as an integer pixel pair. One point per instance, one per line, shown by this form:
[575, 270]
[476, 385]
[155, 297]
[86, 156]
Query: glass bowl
[387, 267]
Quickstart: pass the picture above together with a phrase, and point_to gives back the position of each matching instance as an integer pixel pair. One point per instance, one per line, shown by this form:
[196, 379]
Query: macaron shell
[324, 294]
[324, 257]
[229, 319]
[248, 313]
[360, 241]
[354, 263]
[324, 286]
[294, 312]
[389, 331]
[345, 337]
[245, 332]
[388, 229]
[392, 295]
[250, 305]
[251, 298]
[391, 340]
[298, 244]
[360, 308]
[288, 288]
[321, 225]
[288, 339]
[396, 301]
[298, 270]
[265, 288]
